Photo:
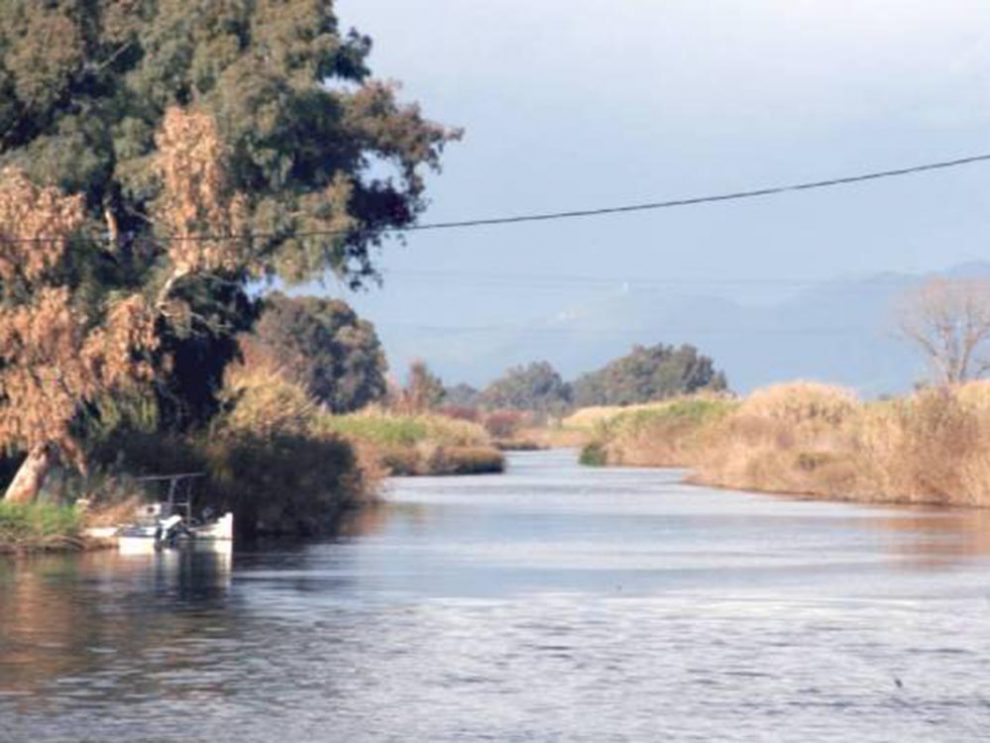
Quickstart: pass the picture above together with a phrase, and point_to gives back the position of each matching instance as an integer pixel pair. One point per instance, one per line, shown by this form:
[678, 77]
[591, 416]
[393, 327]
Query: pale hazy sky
[575, 104]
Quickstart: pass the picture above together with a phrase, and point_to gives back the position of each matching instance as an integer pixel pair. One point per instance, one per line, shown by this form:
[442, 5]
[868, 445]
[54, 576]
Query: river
[551, 603]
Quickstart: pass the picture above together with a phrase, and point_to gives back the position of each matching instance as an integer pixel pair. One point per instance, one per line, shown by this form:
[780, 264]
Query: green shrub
[284, 483]
[594, 455]
[465, 460]
[380, 429]
[273, 462]
[686, 411]
[391, 429]
[36, 525]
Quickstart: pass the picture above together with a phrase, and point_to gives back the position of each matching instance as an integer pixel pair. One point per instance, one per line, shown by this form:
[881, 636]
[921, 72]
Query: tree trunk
[31, 475]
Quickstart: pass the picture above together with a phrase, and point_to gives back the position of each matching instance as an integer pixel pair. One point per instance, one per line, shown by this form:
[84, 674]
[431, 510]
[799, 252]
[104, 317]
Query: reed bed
[808, 438]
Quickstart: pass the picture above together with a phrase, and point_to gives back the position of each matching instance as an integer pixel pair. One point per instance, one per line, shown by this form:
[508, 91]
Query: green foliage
[272, 463]
[310, 142]
[593, 455]
[317, 144]
[388, 429]
[380, 429]
[36, 525]
[323, 345]
[536, 387]
[419, 444]
[649, 373]
[283, 483]
[199, 347]
[686, 410]
[133, 452]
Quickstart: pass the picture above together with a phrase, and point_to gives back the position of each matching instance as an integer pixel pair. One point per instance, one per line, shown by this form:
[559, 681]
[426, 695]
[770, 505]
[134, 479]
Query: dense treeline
[645, 374]
[537, 387]
[649, 373]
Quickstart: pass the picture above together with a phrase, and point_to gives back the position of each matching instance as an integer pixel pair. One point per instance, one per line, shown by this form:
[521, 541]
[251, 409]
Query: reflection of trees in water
[66, 616]
[939, 536]
[373, 519]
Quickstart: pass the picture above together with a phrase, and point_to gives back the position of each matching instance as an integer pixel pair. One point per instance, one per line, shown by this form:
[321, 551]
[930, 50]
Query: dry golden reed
[814, 439]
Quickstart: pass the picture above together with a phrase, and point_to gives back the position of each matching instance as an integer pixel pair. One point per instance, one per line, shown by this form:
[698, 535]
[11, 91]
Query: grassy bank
[932, 447]
[421, 444]
[38, 527]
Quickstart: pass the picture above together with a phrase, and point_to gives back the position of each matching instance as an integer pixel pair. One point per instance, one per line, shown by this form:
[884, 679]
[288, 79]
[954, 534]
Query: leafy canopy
[313, 142]
[649, 373]
[537, 387]
[323, 345]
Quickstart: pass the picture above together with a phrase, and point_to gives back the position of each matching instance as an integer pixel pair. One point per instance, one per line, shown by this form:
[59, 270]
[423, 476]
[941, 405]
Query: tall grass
[809, 438]
[31, 526]
[394, 429]
[419, 444]
[663, 434]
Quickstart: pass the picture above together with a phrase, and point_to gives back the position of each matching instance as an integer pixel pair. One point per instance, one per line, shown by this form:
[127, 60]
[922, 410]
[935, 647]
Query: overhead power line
[584, 213]
[461, 278]
[626, 331]
[694, 201]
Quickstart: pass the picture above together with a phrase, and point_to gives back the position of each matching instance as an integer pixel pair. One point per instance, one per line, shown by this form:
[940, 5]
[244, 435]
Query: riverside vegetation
[932, 447]
[283, 462]
[156, 168]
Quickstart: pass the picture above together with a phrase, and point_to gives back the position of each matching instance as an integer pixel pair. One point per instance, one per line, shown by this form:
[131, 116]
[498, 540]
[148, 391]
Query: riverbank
[422, 444]
[932, 447]
[282, 464]
[40, 527]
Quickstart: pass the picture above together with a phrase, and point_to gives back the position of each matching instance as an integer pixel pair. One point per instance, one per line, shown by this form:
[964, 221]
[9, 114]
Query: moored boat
[172, 523]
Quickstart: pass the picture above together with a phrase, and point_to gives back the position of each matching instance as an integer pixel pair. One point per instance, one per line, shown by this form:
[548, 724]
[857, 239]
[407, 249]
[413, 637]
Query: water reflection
[938, 537]
[63, 614]
[373, 520]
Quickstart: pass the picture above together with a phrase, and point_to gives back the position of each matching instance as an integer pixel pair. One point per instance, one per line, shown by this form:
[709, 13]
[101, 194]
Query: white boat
[172, 523]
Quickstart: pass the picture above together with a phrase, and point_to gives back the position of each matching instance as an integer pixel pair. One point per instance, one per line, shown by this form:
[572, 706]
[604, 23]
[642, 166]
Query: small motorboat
[172, 523]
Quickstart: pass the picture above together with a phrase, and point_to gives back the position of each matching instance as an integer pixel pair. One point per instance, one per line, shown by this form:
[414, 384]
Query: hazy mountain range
[842, 330]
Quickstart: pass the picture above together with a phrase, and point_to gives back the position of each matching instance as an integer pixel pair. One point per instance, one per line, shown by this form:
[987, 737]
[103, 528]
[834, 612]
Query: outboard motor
[168, 531]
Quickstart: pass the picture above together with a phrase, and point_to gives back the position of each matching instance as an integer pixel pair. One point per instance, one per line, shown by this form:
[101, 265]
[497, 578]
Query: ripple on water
[490, 609]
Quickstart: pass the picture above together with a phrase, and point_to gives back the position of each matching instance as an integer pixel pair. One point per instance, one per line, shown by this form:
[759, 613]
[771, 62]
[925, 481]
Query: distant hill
[841, 331]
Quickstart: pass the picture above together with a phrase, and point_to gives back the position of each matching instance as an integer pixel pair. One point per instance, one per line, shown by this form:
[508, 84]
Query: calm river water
[553, 603]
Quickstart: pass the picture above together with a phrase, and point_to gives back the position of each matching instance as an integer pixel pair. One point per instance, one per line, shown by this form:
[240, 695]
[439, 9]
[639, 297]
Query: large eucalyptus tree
[193, 146]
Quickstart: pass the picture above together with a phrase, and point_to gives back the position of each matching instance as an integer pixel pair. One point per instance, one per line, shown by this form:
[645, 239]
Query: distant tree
[536, 387]
[649, 373]
[423, 391]
[462, 396]
[949, 321]
[324, 346]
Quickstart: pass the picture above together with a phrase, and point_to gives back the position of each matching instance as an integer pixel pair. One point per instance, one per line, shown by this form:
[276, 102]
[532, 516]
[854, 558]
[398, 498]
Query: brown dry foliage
[54, 361]
[932, 447]
[53, 358]
[58, 352]
[36, 225]
[198, 197]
